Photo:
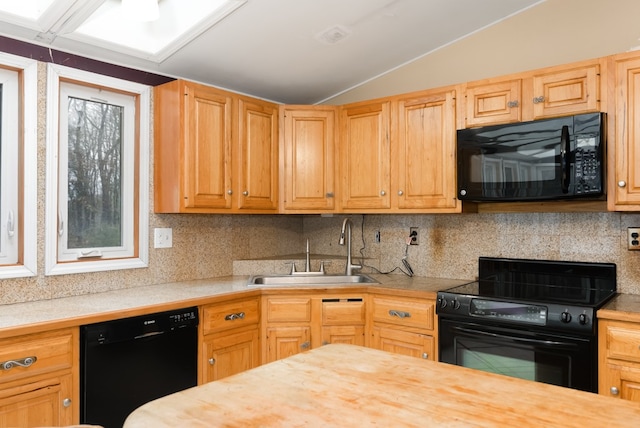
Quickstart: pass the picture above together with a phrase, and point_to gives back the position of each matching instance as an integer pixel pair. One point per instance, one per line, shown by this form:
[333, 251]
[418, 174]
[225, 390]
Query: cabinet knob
[622, 183]
[538, 100]
[382, 193]
[305, 345]
[229, 192]
[425, 355]
[614, 390]
[513, 104]
[329, 194]
[245, 193]
[66, 402]
[400, 193]
[212, 361]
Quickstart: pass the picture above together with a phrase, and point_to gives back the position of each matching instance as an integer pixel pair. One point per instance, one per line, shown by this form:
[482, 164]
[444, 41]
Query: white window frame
[57, 260]
[19, 220]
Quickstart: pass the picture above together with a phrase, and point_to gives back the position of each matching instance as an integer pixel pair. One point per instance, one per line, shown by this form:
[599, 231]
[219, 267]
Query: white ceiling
[272, 49]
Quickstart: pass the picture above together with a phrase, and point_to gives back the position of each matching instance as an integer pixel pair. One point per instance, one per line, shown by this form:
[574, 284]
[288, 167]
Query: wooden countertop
[346, 385]
[42, 315]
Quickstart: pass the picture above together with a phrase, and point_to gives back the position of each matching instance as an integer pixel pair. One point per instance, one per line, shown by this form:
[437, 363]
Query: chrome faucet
[346, 225]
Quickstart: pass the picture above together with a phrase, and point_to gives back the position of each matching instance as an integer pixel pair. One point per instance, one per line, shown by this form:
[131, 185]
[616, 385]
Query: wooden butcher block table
[349, 386]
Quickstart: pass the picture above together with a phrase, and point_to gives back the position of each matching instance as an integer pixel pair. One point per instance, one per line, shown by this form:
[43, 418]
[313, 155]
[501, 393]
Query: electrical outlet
[633, 238]
[162, 237]
[413, 234]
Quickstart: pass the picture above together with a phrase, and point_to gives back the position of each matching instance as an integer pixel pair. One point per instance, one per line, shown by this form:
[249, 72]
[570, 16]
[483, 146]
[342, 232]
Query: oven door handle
[564, 158]
[554, 343]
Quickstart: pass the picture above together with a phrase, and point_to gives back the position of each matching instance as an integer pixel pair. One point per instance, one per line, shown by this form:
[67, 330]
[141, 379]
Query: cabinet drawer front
[623, 343]
[289, 310]
[230, 315]
[52, 352]
[406, 312]
[343, 312]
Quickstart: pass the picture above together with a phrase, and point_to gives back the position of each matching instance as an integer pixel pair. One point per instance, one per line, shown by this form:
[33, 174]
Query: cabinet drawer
[406, 312]
[343, 311]
[230, 315]
[623, 343]
[48, 352]
[288, 309]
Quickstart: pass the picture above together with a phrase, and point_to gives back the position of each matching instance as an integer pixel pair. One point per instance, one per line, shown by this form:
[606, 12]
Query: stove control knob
[443, 302]
[456, 304]
[583, 319]
[565, 317]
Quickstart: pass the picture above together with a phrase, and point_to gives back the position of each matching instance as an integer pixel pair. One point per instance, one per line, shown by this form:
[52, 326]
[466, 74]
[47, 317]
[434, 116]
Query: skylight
[105, 23]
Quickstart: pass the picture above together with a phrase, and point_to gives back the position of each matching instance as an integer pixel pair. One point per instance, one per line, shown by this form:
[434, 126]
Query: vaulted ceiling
[289, 51]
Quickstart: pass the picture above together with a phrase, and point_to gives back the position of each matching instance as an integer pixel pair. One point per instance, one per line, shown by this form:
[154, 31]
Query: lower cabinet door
[231, 353]
[41, 403]
[349, 334]
[403, 342]
[621, 382]
[282, 342]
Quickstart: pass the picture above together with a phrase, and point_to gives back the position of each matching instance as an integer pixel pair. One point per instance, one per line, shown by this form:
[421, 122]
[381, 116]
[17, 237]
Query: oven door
[569, 361]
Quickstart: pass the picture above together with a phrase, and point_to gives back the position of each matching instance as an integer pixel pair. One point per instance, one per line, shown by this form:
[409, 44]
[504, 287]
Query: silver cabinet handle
[512, 104]
[329, 195]
[425, 355]
[622, 183]
[400, 193]
[236, 316]
[614, 390]
[399, 314]
[212, 361]
[229, 192]
[305, 345]
[382, 193]
[22, 362]
[245, 193]
[66, 402]
[538, 100]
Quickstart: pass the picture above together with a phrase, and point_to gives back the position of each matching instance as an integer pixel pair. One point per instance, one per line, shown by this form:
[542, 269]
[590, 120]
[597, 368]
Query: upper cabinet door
[365, 156]
[425, 156]
[207, 148]
[257, 163]
[308, 144]
[624, 144]
[493, 102]
[566, 92]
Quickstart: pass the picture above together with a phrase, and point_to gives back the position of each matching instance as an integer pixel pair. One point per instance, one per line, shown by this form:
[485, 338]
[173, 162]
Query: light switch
[162, 237]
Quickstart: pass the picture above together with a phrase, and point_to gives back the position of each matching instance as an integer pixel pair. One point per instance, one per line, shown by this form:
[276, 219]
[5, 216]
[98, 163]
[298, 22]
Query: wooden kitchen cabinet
[365, 156]
[398, 154]
[309, 135]
[287, 326]
[404, 325]
[549, 92]
[230, 338]
[624, 134]
[423, 153]
[343, 320]
[215, 151]
[619, 359]
[39, 385]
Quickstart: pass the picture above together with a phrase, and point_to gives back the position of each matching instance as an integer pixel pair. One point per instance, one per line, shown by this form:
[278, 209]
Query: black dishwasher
[128, 362]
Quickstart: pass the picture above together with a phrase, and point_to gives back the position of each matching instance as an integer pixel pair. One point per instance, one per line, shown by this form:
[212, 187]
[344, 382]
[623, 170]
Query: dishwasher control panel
[183, 318]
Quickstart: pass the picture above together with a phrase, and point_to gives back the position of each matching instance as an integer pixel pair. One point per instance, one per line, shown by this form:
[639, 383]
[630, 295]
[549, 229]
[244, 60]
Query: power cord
[405, 262]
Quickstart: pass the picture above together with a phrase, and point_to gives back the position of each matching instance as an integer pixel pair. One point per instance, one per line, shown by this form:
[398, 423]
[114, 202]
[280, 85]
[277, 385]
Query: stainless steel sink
[301, 280]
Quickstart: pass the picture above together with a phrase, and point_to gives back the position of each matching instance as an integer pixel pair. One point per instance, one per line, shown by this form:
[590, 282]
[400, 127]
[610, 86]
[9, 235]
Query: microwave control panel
[587, 171]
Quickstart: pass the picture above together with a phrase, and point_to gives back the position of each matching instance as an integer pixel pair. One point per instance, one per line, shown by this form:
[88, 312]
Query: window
[18, 166]
[97, 172]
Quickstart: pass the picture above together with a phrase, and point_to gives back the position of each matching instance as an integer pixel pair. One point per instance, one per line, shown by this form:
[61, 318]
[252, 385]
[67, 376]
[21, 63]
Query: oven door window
[524, 362]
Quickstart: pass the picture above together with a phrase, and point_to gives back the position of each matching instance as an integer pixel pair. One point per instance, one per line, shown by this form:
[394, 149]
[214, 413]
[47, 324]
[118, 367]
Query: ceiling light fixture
[141, 10]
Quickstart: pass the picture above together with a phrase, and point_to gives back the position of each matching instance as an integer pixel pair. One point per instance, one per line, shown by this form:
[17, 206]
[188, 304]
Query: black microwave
[560, 158]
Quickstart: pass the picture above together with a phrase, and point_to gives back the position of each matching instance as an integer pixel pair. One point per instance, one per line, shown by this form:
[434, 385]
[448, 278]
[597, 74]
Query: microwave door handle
[564, 158]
